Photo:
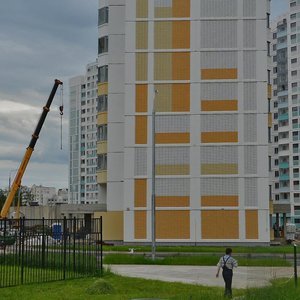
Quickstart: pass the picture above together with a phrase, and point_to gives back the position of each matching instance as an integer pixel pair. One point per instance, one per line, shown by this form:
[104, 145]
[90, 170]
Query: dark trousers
[227, 275]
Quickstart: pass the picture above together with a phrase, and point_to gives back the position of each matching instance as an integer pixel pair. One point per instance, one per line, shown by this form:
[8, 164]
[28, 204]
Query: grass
[209, 249]
[203, 260]
[113, 287]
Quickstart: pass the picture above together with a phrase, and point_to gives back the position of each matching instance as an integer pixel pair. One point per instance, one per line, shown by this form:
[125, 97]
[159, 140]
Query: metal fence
[42, 250]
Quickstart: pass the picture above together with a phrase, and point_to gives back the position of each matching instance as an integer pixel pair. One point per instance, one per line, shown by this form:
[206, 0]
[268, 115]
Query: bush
[99, 287]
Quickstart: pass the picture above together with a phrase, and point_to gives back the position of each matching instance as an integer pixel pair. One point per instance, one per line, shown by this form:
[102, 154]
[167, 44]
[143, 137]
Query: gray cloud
[41, 41]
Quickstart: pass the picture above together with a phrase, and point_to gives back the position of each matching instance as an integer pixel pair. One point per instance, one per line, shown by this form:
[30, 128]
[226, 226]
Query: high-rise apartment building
[207, 62]
[83, 188]
[286, 110]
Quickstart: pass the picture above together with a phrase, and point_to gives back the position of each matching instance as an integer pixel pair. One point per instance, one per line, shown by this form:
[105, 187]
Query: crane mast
[17, 181]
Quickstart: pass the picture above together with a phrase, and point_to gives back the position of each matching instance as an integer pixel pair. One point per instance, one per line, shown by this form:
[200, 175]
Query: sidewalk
[243, 277]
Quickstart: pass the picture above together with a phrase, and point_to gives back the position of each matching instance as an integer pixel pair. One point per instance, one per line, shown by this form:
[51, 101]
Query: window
[275, 127]
[102, 162]
[275, 70]
[268, 20]
[276, 150]
[294, 84]
[102, 132]
[294, 73]
[294, 48]
[102, 103]
[293, 16]
[103, 44]
[274, 47]
[294, 60]
[293, 36]
[276, 174]
[103, 74]
[269, 48]
[275, 104]
[293, 4]
[293, 25]
[102, 16]
[274, 35]
[270, 163]
[269, 135]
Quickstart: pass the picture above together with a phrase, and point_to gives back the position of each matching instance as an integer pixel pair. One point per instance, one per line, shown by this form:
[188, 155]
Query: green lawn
[202, 260]
[113, 287]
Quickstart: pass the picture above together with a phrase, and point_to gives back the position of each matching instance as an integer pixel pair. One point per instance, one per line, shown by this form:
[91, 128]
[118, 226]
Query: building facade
[83, 187]
[207, 61]
[286, 110]
[43, 195]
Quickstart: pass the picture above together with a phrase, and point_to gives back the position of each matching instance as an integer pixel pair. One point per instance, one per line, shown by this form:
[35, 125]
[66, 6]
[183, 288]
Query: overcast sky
[41, 41]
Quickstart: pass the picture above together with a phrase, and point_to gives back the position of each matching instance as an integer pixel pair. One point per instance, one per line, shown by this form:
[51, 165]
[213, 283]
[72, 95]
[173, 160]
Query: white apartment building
[286, 110]
[83, 187]
[208, 61]
[43, 195]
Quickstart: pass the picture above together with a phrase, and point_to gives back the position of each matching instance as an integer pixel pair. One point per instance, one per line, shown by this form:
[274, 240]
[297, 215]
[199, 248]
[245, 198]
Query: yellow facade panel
[113, 222]
[181, 35]
[219, 137]
[141, 66]
[172, 138]
[101, 147]
[102, 177]
[141, 36]
[141, 8]
[251, 219]
[140, 224]
[141, 129]
[220, 224]
[102, 118]
[163, 12]
[163, 99]
[181, 9]
[172, 201]
[163, 35]
[141, 98]
[219, 105]
[181, 66]
[270, 120]
[162, 66]
[102, 88]
[172, 224]
[215, 74]
[221, 201]
[269, 91]
[218, 169]
[181, 97]
[140, 192]
[172, 170]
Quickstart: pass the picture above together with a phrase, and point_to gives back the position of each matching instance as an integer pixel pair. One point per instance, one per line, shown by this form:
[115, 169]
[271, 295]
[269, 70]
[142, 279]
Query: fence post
[43, 243]
[295, 265]
[65, 245]
[101, 247]
[74, 244]
[22, 229]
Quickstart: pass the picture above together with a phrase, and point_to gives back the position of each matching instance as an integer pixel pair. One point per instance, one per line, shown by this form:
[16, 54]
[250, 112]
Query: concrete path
[243, 277]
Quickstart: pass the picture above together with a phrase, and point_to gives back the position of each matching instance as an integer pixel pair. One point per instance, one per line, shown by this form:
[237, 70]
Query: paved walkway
[243, 276]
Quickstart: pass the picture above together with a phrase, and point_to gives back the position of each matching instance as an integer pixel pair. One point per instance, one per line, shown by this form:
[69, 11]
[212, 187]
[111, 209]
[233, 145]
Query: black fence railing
[42, 250]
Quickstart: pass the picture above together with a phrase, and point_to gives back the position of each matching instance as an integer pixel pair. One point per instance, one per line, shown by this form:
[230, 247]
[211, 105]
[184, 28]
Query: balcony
[282, 93]
[284, 165]
[284, 189]
[284, 177]
[283, 117]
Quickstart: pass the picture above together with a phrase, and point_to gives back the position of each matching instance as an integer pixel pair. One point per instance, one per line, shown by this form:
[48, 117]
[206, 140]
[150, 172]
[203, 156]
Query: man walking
[227, 263]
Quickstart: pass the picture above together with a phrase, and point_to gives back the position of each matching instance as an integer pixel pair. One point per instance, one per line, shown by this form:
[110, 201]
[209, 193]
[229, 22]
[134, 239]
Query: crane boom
[17, 181]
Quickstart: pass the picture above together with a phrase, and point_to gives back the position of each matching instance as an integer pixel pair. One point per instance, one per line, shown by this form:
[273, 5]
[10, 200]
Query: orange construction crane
[17, 181]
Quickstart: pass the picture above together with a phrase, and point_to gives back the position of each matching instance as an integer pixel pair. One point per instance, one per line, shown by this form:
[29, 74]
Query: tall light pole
[153, 181]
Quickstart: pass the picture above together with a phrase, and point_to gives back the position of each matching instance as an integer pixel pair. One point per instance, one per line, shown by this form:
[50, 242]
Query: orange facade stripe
[141, 98]
[140, 224]
[172, 201]
[220, 224]
[181, 97]
[172, 224]
[181, 66]
[181, 9]
[181, 35]
[219, 137]
[172, 138]
[215, 74]
[140, 192]
[251, 219]
[219, 105]
[219, 200]
[141, 129]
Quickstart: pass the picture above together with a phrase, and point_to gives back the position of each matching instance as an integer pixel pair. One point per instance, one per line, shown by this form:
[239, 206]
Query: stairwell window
[102, 16]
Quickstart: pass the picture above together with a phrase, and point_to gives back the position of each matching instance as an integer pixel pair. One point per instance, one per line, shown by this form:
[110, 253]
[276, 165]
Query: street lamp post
[153, 181]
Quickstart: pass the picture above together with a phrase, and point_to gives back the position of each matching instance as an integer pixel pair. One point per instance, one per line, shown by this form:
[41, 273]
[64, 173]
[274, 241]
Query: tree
[2, 197]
